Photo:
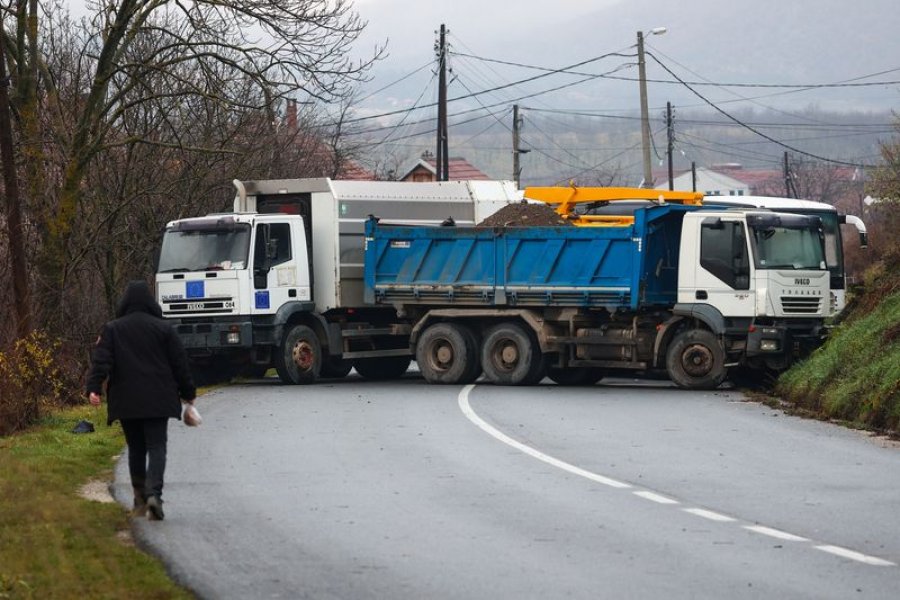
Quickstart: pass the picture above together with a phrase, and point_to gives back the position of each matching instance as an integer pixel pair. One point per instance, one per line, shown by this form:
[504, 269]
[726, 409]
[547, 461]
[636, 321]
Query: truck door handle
[701, 295]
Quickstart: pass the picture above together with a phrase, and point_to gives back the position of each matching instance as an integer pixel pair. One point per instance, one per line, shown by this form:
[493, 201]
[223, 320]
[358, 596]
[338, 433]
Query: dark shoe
[140, 504]
[154, 505]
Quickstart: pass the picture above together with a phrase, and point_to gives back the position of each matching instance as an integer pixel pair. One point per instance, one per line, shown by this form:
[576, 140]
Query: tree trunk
[13, 209]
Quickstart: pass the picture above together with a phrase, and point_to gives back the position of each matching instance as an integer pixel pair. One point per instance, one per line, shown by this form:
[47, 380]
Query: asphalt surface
[356, 489]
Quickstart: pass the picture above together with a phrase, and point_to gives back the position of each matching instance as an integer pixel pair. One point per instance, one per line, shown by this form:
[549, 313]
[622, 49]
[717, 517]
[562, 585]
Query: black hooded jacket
[142, 359]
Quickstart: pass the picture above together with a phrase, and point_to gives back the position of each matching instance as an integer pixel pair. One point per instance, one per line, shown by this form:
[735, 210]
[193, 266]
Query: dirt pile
[525, 214]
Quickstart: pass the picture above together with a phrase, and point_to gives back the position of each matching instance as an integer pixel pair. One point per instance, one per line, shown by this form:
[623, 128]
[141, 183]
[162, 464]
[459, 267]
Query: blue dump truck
[684, 290]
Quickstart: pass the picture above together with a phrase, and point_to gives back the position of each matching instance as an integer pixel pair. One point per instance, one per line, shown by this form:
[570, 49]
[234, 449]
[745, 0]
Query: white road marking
[708, 514]
[648, 495]
[470, 414]
[857, 556]
[775, 533]
[653, 497]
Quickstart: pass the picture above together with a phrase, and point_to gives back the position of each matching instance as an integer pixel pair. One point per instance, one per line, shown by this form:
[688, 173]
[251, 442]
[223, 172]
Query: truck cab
[225, 278]
[755, 272]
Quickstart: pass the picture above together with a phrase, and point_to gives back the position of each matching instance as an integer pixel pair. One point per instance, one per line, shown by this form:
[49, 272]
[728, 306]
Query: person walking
[145, 367]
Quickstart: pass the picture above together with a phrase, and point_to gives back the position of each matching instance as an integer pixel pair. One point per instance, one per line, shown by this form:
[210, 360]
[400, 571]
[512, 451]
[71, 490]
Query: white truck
[287, 264]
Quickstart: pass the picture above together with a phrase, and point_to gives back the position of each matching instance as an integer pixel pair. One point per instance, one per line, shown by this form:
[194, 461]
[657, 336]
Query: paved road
[356, 490]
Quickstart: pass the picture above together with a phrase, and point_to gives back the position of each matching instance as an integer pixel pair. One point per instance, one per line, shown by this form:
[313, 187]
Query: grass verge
[56, 544]
[855, 376]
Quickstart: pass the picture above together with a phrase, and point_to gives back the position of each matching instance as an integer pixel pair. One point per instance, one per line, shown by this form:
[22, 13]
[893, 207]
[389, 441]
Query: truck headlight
[768, 345]
[234, 335]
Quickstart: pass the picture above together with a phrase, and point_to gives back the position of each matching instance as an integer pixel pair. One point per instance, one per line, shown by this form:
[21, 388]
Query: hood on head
[138, 297]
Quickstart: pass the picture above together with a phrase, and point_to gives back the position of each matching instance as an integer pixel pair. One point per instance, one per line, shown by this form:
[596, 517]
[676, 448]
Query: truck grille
[792, 305]
[200, 305]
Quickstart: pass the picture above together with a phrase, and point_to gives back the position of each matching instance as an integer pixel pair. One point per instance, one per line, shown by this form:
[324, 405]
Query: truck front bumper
[774, 340]
[216, 337]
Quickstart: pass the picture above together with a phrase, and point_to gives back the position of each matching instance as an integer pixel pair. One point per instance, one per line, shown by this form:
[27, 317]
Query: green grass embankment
[855, 376]
[53, 542]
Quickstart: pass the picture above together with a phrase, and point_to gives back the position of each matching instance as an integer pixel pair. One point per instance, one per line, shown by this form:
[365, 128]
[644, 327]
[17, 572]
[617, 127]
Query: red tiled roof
[352, 171]
[459, 169]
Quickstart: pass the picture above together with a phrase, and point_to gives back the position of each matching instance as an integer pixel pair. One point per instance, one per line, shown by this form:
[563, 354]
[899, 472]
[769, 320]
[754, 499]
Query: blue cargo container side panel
[610, 267]
[418, 264]
[569, 263]
[588, 267]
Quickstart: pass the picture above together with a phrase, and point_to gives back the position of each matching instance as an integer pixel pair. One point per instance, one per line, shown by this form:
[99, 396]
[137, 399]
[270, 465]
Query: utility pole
[694, 175]
[518, 121]
[670, 136]
[788, 183]
[645, 118]
[442, 166]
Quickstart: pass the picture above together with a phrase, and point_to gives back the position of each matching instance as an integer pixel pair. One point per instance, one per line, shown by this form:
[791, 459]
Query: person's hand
[94, 398]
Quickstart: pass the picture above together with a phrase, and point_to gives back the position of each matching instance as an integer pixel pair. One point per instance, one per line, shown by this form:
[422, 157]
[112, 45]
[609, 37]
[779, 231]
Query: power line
[393, 83]
[756, 131]
[883, 127]
[849, 83]
[505, 86]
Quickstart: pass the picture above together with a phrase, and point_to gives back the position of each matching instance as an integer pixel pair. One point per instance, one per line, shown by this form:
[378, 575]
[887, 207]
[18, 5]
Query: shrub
[36, 373]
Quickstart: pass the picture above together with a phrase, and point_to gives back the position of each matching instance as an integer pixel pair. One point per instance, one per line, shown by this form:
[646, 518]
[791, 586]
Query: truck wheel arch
[702, 315]
[710, 316]
[303, 313]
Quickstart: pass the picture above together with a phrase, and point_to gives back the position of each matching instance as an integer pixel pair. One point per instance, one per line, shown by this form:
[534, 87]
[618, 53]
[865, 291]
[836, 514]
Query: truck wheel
[448, 353]
[575, 376]
[509, 356]
[695, 360]
[335, 368]
[379, 369]
[299, 359]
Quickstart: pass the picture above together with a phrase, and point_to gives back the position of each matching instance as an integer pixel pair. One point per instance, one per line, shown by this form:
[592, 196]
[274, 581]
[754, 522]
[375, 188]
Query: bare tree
[139, 103]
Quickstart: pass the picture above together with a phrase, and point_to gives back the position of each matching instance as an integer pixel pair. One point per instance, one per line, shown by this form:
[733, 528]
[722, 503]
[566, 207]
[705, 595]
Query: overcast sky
[759, 41]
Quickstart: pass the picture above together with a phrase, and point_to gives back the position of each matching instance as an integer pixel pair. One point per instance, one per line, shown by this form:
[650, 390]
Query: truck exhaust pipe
[240, 200]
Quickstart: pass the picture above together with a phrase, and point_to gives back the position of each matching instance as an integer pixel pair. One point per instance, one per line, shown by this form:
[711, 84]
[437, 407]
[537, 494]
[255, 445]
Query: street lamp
[645, 119]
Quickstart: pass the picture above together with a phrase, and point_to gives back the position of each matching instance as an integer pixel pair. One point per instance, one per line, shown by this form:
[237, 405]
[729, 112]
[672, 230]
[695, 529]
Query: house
[459, 170]
[729, 179]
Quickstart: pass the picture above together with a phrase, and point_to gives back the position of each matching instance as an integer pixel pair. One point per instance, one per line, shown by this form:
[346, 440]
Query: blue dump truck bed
[609, 267]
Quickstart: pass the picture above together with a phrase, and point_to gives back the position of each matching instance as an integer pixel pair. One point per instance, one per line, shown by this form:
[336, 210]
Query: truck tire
[509, 356]
[448, 353]
[575, 376]
[299, 359]
[380, 369]
[335, 368]
[696, 360]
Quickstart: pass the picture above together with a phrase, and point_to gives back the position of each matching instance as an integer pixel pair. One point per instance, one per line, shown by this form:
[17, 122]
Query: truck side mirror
[863, 239]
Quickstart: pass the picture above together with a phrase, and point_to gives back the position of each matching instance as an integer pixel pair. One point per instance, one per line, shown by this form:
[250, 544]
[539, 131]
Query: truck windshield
[204, 249]
[787, 245]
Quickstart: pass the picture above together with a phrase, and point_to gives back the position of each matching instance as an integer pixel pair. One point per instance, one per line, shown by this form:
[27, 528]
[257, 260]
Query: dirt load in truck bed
[524, 214]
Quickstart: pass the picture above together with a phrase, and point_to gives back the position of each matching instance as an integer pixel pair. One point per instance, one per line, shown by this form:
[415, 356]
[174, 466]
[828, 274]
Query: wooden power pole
[442, 166]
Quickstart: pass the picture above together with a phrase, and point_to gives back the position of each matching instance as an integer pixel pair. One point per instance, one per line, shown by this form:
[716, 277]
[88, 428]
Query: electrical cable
[756, 131]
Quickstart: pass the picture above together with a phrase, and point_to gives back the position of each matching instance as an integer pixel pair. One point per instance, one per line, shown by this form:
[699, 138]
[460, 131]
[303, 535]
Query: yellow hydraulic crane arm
[564, 199]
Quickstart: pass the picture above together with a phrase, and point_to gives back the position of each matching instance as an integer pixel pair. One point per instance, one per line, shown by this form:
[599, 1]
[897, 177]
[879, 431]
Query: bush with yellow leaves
[36, 373]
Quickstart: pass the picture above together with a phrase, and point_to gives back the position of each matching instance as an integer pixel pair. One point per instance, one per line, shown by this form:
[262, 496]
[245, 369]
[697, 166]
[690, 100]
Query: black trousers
[146, 439]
